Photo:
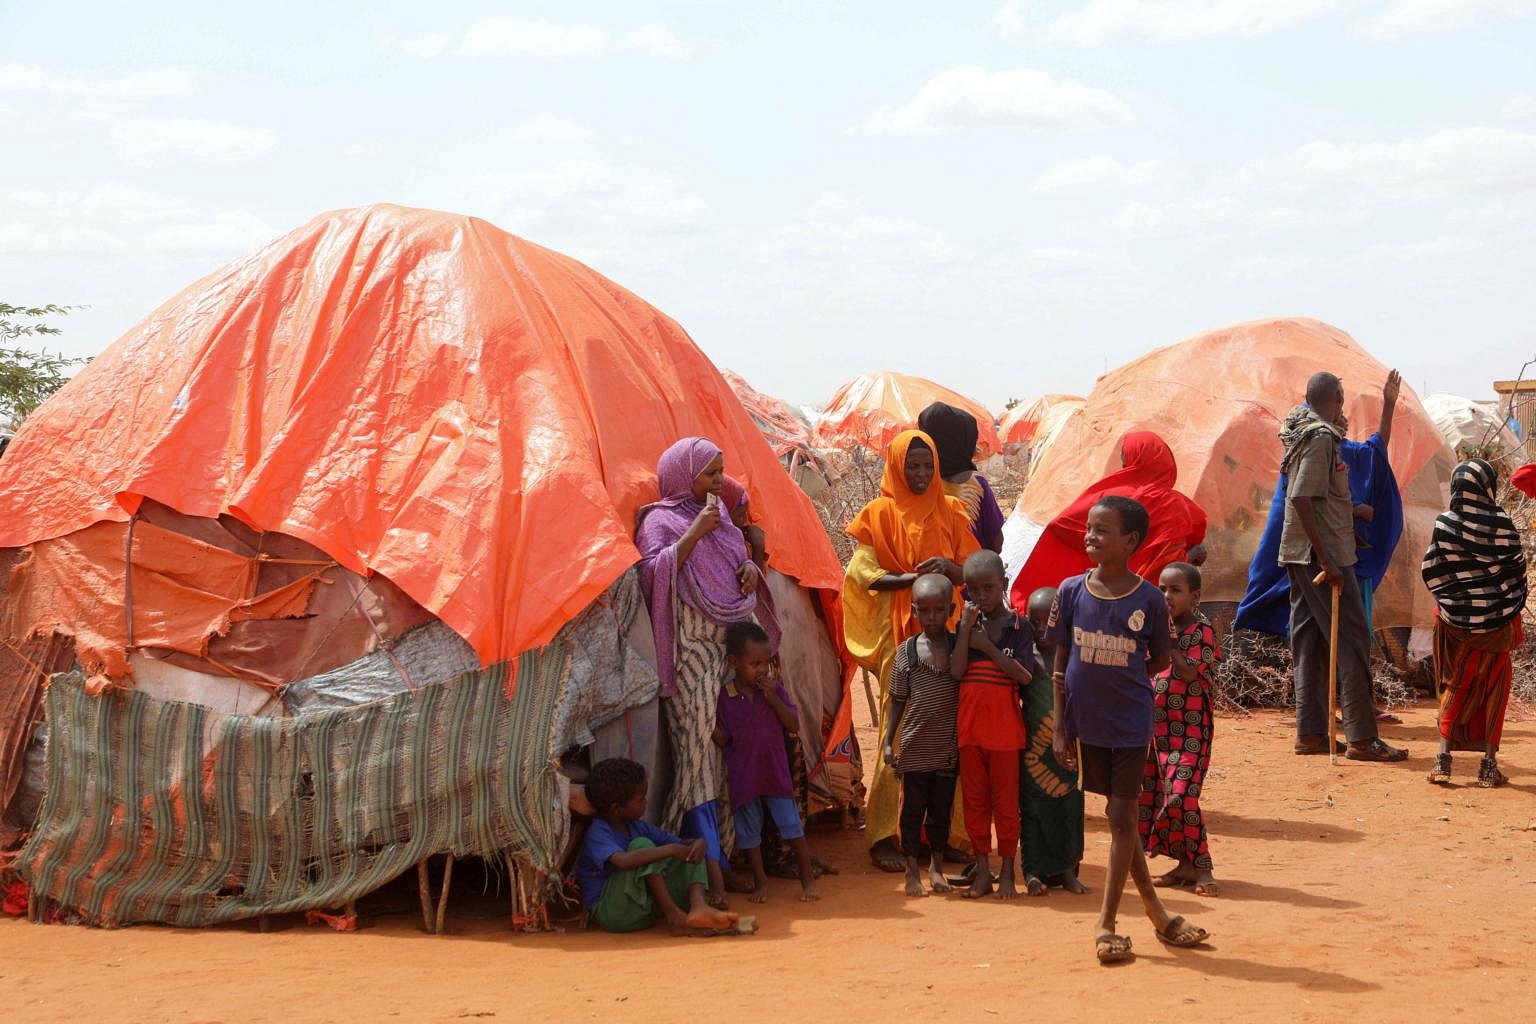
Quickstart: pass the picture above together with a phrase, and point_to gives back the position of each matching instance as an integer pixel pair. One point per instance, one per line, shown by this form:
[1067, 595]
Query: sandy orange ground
[1350, 893]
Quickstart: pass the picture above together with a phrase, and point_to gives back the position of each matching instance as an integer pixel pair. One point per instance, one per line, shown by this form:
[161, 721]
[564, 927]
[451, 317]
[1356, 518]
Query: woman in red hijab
[1148, 473]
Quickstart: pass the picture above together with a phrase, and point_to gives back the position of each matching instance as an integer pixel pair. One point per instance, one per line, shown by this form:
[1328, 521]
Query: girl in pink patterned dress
[1169, 812]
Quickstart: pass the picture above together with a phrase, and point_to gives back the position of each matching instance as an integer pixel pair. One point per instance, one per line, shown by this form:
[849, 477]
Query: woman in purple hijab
[698, 578]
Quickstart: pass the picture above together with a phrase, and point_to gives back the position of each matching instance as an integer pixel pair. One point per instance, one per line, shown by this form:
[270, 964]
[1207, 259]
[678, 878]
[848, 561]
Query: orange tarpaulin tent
[1029, 423]
[873, 408]
[417, 394]
[1218, 400]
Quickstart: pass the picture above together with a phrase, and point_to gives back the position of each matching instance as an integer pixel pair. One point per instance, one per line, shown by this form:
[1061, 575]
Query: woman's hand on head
[941, 567]
[748, 575]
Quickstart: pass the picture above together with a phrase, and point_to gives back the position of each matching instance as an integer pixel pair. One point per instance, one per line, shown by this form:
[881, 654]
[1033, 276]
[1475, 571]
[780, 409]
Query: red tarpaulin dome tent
[1218, 399]
[367, 384]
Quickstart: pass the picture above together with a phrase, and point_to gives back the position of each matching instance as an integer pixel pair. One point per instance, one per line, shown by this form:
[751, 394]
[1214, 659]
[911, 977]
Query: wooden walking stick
[1333, 671]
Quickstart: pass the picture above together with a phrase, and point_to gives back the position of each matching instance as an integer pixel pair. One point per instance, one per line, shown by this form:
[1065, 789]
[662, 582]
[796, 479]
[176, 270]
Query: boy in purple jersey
[1112, 634]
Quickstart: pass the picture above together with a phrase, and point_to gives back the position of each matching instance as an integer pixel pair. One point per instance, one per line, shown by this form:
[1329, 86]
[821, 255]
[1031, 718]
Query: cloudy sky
[1005, 196]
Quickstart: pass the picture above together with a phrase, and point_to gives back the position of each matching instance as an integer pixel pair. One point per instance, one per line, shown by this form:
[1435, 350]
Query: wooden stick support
[442, 902]
[424, 888]
[869, 695]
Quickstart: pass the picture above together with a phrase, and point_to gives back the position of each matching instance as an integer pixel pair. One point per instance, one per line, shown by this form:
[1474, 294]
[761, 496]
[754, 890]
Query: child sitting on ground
[751, 721]
[923, 699]
[1112, 634]
[994, 659]
[631, 873]
[1050, 802]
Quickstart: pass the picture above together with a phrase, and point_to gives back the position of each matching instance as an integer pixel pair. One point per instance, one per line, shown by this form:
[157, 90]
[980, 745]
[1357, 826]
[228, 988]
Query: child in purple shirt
[1112, 634]
[750, 725]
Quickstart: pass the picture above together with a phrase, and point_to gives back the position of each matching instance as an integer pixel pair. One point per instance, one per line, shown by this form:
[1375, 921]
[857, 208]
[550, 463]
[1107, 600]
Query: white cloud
[973, 97]
[504, 36]
[111, 219]
[189, 138]
[1264, 268]
[1165, 21]
[1099, 171]
[1520, 108]
[1444, 164]
[149, 83]
[592, 204]
[1431, 17]
[550, 128]
[509, 36]
[225, 233]
[1410, 252]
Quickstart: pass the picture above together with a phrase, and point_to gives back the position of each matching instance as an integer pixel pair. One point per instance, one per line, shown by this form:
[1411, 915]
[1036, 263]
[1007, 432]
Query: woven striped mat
[170, 812]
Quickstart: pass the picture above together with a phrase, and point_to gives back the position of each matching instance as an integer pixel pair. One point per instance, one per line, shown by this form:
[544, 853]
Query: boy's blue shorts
[749, 820]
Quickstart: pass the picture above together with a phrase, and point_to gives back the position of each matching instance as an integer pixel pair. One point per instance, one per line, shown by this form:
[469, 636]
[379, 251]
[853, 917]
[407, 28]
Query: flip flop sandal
[1172, 881]
[1440, 774]
[1207, 889]
[1171, 934]
[1112, 949]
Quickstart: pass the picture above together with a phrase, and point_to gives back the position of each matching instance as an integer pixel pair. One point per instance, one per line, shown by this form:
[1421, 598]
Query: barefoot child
[1112, 634]
[1169, 812]
[754, 715]
[993, 661]
[631, 873]
[922, 713]
[1050, 802]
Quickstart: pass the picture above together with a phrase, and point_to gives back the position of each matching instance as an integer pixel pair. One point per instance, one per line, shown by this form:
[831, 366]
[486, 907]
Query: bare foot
[808, 894]
[1205, 885]
[710, 919]
[822, 867]
[759, 895]
[981, 882]
[885, 856]
[938, 882]
[1035, 887]
[1006, 889]
[735, 881]
[1071, 883]
[676, 919]
[915, 884]
[717, 900]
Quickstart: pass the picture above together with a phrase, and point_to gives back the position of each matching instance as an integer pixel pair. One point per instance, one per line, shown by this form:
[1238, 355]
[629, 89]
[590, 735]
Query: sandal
[1440, 774]
[1111, 948]
[1488, 774]
[1179, 932]
[1207, 888]
[1172, 880]
[1376, 752]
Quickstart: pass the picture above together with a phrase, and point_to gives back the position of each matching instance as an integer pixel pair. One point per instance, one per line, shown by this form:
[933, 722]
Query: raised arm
[1389, 394]
[783, 712]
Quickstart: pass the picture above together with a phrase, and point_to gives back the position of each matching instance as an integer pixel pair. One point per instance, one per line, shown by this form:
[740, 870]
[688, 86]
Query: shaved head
[1323, 387]
[931, 584]
[1041, 600]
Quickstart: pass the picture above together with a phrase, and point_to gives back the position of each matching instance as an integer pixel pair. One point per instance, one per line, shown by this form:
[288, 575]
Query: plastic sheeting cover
[1031, 422]
[873, 408]
[1218, 399]
[415, 393]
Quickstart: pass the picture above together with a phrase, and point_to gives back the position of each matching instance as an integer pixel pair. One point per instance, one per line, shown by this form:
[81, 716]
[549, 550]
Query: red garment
[989, 790]
[989, 714]
[1149, 473]
[1524, 479]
